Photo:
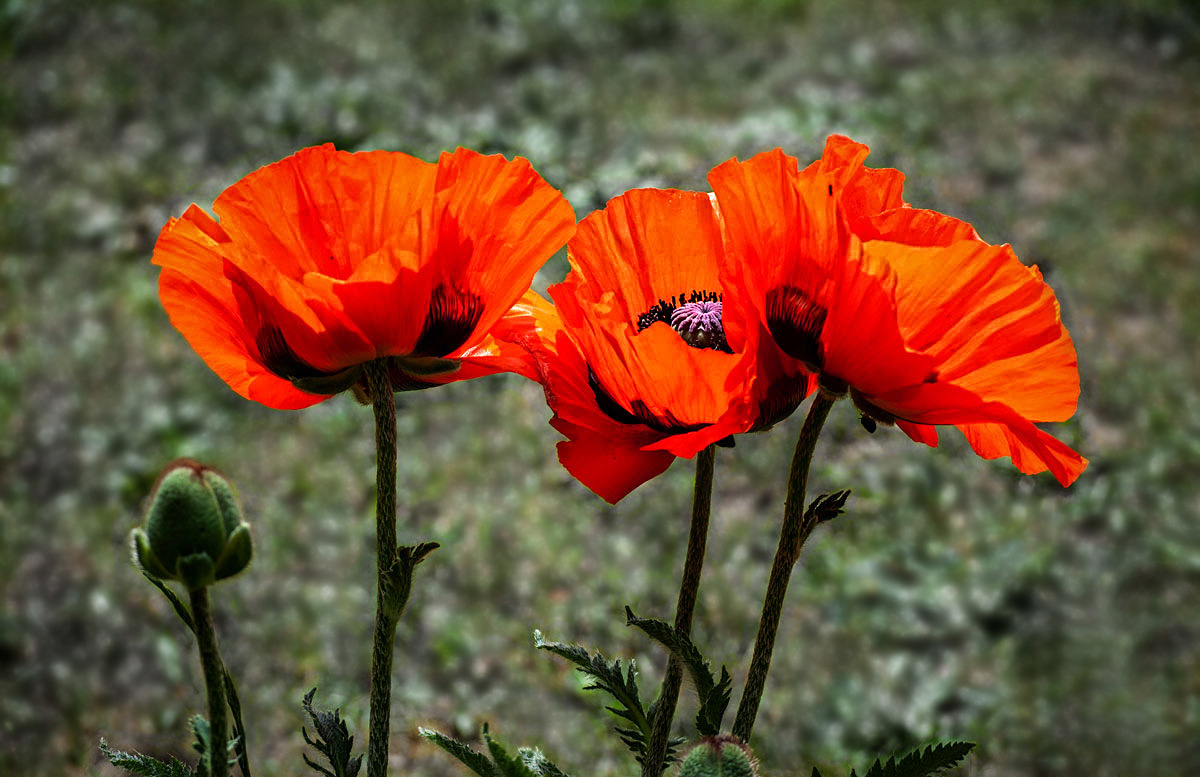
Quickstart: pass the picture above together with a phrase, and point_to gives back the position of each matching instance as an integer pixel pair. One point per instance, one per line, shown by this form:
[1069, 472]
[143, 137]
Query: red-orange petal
[202, 304]
[645, 246]
[924, 322]
[327, 259]
[1031, 449]
[607, 467]
[492, 225]
[323, 210]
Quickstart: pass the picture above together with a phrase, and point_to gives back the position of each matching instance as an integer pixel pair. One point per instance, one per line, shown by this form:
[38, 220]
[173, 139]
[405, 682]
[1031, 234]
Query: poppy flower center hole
[695, 316]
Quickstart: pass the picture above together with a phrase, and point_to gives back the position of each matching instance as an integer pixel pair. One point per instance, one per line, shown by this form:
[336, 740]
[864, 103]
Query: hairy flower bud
[720, 756]
[193, 530]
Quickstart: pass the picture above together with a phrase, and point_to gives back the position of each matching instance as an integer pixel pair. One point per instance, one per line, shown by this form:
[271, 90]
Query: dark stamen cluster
[696, 315]
[663, 310]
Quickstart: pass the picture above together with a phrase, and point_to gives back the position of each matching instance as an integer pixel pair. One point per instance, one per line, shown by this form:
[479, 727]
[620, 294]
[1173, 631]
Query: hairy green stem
[387, 613]
[214, 681]
[792, 534]
[685, 606]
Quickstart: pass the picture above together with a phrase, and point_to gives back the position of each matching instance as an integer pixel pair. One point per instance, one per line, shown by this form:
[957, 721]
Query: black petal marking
[451, 319]
[278, 357]
[640, 414]
[796, 321]
[780, 402]
[609, 406]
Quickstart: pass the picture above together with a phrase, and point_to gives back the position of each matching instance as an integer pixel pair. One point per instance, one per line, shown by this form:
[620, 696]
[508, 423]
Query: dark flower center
[796, 321]
[695, 316]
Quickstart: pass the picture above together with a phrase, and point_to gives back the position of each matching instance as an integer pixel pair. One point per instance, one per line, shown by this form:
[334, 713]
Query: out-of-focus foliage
[956, 599]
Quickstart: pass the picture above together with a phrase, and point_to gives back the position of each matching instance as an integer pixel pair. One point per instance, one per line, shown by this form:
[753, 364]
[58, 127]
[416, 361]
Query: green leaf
[714, 694]
[508, 765]
[529, 761]
[475, 761]
[712, 706]
[332, 740]
[144, 765]
[933, 760]
[181, 609]
[539, 764]
[613, 680]
[239, 728]
[203, 735]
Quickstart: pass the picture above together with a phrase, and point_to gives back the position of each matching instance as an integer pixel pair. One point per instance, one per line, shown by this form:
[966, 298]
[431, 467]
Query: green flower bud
[194, 530]
[720, 756]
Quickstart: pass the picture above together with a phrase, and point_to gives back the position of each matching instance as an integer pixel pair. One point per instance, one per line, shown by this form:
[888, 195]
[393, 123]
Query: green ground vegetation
[958, 599]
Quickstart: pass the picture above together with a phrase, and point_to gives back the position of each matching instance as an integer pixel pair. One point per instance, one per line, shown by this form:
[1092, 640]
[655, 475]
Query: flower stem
[214, 681]
[689, 587]
[792, 535]
[387, 613]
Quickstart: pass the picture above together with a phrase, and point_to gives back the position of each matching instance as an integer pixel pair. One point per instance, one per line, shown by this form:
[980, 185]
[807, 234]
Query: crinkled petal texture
[922, 322]
[629, 393]
[328, 259]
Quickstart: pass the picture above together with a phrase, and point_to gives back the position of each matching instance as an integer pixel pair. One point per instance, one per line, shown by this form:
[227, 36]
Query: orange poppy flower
[326, 260]
[645, 357]
[908, 311]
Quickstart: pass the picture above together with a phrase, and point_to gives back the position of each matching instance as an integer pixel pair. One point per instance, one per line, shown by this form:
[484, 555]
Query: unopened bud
[721, 756]
[194, 530]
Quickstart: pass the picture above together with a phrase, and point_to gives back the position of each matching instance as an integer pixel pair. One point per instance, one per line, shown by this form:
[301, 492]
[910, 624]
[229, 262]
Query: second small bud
[193, 531]
[721, 756]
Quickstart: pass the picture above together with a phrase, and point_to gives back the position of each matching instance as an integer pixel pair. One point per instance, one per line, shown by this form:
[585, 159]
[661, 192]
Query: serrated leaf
[333, 740]
[539, 764]
[934, 759]
[475, 761]
[714, 694]
[712, 707]
[144, 765]
[507, 765]
[826, 507]
[613, 679]
[529, 761]
[203, 735]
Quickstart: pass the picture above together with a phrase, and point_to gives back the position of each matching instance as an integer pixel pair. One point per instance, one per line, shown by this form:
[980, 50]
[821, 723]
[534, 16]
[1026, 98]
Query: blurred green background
[1058, 628]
